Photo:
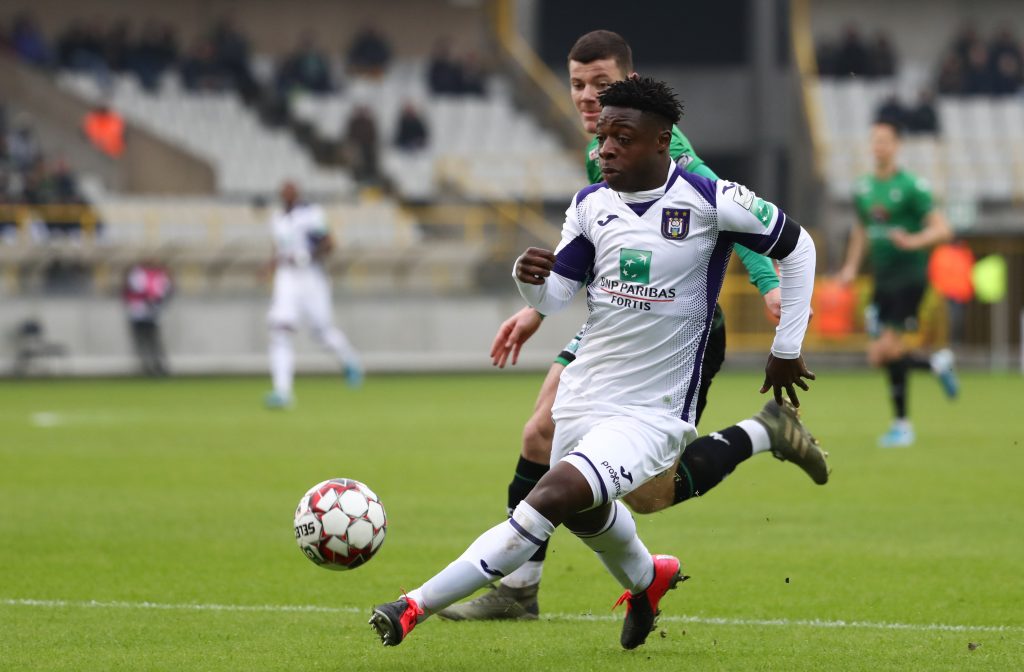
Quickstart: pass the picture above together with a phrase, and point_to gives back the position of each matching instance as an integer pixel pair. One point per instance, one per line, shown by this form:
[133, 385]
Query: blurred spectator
[22, 147]
[852, 57]
[231, 50]
[472, 76]
[147, 287]
[117, 45]
[881, 57]
[155, 52]
[826, 55]
[370, 53]
[977, 76]
[412, 132]
[1006, 78]
[28, 42]
[951, 75]
[444, 74]
[922, 118]
[891, 111]
[964, 41]
[83, 49]
[361, 144]
[105, 129]
[201, 71]
[305, 69]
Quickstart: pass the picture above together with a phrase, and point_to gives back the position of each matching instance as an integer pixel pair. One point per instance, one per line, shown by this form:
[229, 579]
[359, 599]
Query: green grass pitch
[147, 526]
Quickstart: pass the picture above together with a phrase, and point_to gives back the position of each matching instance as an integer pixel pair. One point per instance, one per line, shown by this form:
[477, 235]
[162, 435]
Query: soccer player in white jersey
[650, 244]
[302, 291]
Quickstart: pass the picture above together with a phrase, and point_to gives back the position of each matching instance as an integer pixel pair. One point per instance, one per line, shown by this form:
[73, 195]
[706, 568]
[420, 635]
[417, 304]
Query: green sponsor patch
[635, 266]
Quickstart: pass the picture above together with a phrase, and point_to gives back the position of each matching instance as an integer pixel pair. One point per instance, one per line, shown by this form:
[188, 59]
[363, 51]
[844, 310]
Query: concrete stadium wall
[228, 335]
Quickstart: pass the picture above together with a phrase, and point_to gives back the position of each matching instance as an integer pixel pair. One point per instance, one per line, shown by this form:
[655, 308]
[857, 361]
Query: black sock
[708, 460]
[916, 362]
[898, 387]
[527, 475]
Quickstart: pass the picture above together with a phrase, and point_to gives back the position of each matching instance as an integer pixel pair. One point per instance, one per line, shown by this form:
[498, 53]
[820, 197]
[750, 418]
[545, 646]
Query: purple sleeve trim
[576, 260]
[703, 185]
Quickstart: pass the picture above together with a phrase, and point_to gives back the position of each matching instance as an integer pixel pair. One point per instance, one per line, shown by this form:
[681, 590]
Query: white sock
[621, 550]
[495, 553]
[759, 441]
[527, 575]
[282, 361]
[334, 339]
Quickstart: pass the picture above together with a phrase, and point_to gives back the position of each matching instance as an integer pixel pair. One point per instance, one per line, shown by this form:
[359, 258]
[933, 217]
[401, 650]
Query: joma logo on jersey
[635, 266]
[675, 224]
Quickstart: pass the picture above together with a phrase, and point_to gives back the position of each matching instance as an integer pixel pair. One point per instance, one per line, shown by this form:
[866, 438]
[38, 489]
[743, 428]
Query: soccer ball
[340, 524]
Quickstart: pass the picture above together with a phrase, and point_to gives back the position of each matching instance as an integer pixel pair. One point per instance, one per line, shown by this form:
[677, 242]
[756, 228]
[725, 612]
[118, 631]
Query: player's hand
[773, 302]
[902, 239]
[511, 335]
[782, 374]
[535, 265]
[846, 276]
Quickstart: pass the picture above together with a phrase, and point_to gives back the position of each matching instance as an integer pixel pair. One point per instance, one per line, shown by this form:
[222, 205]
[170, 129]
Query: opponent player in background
[651, 245]
[897, 225]
[302, 291]
[598, 59]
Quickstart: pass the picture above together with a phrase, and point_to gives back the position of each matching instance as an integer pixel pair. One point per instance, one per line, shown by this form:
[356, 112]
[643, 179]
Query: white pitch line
[700, 620]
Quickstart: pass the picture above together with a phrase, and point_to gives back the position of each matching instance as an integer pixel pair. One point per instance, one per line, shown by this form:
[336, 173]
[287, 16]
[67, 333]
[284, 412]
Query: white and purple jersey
[653, 271]
[296, 232]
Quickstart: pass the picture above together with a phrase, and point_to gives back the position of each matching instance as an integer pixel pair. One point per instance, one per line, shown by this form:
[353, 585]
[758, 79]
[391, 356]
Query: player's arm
[936, 231]
[855, 248]
[760, 269]
[549, 280]
[512, 334]
[761, 226]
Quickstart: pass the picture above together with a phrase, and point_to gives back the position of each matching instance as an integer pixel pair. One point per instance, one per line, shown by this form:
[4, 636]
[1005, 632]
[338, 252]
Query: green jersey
[900, 202]
[760, 269]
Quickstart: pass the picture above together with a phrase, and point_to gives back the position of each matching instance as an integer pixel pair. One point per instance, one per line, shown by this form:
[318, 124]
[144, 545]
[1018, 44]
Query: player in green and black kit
[596, 60]
[897, 226]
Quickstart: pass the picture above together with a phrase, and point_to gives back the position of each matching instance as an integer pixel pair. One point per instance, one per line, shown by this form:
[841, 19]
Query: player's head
[289, 195]
[596, 60]
[634, 132]
[885, 142]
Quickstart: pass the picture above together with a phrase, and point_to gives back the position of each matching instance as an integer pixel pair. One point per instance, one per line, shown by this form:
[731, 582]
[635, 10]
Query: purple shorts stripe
[604, 490]
[523, 533]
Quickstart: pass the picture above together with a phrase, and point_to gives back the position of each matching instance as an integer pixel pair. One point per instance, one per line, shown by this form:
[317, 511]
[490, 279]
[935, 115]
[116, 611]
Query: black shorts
[897, 306]
[714, 356]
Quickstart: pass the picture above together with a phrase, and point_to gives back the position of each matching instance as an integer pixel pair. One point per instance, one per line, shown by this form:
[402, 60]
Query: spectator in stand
[977, 76]
[23, 150]
[472, 76]
[105, 130]
[951, 75]
[1006, 78]
[922, 119]
[361, 145]
[892, 112]
[116, 45]
[444, 74]
[231, 50]
[882, 58]
[156, 51]
[370, 53]
[412, 132]
[852, 57]
[202, 72]
[28, 42]
[306, 69]
[826, 55]
[147, 287]
[965, 40]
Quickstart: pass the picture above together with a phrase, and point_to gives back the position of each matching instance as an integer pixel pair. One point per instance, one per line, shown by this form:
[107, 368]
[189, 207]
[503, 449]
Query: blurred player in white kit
[302, 291]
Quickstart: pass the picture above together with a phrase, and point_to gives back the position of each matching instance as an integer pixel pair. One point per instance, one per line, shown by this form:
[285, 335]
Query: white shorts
[617, 453]
[300, 293]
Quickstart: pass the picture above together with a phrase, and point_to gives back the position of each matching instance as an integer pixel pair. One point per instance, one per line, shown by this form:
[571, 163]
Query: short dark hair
[644, 94]
[600, 44]
[892, 122]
